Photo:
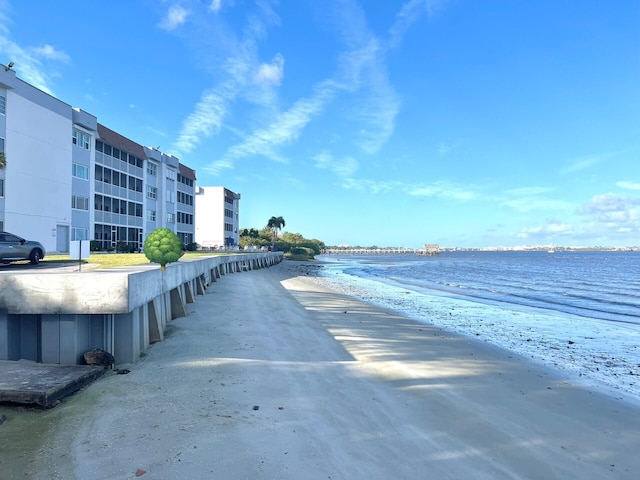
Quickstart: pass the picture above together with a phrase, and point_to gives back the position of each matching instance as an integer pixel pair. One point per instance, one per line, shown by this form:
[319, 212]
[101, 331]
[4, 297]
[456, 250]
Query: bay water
[577, 311]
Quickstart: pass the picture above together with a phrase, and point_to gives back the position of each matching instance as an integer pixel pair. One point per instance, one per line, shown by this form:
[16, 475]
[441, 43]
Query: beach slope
[271, 376]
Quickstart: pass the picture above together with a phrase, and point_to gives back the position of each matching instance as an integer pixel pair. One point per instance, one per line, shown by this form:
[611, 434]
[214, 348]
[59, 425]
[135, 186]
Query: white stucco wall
[209, 216]
[38, 175]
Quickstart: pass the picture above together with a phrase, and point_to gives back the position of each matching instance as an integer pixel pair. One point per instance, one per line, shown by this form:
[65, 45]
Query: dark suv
[13, 248]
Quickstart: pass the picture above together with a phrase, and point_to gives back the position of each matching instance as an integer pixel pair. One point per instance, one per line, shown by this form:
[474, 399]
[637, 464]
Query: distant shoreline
[509, 249]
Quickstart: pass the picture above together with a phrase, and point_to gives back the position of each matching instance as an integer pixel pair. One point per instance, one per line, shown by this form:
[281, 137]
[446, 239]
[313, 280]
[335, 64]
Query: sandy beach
[273, 376]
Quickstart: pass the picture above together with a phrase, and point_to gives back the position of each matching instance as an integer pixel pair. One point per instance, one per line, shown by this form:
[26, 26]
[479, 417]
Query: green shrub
[124, 247]
[314, 247]
[300, 253]
[163, 246]
[191, 247]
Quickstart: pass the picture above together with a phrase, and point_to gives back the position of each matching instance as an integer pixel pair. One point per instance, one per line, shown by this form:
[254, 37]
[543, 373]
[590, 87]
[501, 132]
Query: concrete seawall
[56, 318]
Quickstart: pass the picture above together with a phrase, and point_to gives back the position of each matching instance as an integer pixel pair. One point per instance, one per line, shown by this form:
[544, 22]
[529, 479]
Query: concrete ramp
[42, 385]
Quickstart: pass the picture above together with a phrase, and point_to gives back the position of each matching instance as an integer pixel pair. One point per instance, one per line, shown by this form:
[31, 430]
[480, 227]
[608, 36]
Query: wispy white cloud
[246, 78]
[217, 167]
[545, 232]
[628, 185]
[215, 5]
[155, 131]
[176, 16]
[34, 64]
[579, 165]
[343, 167]
[371, 103]
[445, 148]
[443, 190]
[293, 182]
[438, 189]
[612, 213]
[267, 77]
[206, 118]
[5, 19]
[371, 186]
[409, 13]
[527, 199]
[51, 53]
[606, 217]
[361, 73]
[376, 111]
[528, 191]
[610, 204]
[374, 104]
[270, 73]
[286, 127]
[528, 205]
[584, 163]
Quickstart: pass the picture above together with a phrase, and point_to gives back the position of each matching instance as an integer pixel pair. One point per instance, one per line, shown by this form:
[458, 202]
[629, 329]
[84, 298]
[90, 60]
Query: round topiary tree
[162, 246]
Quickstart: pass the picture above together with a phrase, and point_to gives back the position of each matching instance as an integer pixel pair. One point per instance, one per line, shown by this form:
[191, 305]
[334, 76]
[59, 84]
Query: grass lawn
[113, 260]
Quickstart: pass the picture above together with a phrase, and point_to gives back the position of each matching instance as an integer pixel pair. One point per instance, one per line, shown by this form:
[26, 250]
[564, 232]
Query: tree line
[294, 245]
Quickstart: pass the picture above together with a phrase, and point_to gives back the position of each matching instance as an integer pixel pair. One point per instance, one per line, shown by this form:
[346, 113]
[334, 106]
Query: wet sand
[273, 376]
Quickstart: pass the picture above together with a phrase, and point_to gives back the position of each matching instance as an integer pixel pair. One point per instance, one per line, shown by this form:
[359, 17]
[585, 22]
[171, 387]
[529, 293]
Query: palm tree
[275, 224]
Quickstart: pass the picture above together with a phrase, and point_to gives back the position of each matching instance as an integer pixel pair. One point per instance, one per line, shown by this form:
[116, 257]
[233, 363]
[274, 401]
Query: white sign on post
[79, 249]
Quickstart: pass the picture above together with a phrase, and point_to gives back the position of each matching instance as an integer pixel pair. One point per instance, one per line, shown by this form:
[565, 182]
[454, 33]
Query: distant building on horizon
[217, 217]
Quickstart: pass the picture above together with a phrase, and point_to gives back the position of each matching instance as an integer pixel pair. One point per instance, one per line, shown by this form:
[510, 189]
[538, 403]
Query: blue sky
[392, 123]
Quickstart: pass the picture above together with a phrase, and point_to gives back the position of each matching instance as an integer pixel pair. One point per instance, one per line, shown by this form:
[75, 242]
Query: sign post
[79, 250]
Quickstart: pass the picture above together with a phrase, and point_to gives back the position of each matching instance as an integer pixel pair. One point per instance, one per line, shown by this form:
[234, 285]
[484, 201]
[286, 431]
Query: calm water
[574, 311]
[599, 285]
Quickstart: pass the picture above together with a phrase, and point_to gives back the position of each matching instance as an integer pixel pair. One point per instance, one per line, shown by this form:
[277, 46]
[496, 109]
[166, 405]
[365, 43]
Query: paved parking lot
[42, 267]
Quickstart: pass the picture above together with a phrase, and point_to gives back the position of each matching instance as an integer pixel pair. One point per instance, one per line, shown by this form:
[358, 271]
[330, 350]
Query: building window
[152, 168]
[185, 238]
[120, 206]
[170, 196]
[171, 175]
[1, 187]
[133, 160]
[79, 233]
[151, 215]
[152, 192]
[184, 180]
[1, 144]
[81, 139]
[185, 218]
[3, 102]
[80, 171]
[79, 203]
[171, 218]
[185, 198]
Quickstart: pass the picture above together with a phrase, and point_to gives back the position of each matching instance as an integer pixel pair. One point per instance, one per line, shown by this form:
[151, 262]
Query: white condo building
[45, 178]
[67, 177]
[217, 217]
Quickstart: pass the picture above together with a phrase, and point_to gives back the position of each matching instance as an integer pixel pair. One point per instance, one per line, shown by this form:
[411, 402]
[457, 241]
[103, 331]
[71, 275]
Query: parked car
[13, 248]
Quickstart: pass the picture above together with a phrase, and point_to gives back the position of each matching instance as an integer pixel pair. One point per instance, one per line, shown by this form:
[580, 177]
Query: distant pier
[428, 249]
